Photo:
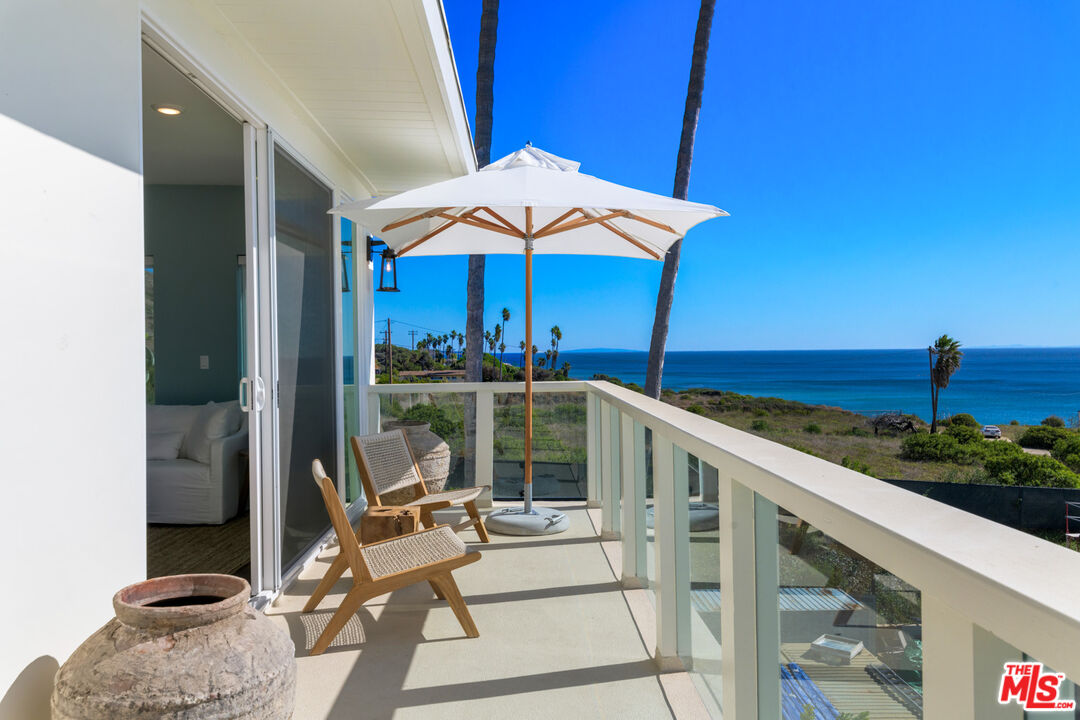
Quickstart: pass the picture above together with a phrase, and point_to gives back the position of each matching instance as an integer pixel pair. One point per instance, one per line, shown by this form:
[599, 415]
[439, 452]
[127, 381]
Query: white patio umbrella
[528, 202]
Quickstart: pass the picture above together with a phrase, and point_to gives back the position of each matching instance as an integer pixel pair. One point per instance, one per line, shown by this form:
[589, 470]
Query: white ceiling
[201, 146]
[377, 75]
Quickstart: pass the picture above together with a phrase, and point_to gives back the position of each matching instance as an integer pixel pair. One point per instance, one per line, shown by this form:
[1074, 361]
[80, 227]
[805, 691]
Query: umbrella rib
[630, 239]
[559, 219]
[581, 223]
[650, 221]
[509, 225]
[477, 222]
[414, 218]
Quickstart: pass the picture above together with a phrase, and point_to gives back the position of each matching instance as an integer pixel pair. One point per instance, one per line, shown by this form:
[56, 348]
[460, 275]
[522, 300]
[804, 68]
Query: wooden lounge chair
[387, 463]
[427, 556]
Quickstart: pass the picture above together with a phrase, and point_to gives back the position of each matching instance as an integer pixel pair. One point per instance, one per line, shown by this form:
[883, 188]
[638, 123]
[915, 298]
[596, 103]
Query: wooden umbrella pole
[528, 359]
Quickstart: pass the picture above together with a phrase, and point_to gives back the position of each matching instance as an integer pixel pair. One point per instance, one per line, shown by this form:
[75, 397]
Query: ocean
[995, 385]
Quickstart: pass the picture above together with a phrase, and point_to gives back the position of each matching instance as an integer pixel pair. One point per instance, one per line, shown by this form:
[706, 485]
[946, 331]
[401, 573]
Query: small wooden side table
[383, 522]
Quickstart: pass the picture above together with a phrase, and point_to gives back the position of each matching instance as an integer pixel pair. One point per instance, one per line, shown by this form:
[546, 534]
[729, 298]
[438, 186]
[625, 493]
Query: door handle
[243, 395]
[260, 394]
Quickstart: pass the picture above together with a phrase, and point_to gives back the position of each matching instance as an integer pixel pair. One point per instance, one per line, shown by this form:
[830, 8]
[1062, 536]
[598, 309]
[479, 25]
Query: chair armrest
[225, 473]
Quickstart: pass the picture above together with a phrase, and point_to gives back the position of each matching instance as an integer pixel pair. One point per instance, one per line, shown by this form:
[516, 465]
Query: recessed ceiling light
[168, 109]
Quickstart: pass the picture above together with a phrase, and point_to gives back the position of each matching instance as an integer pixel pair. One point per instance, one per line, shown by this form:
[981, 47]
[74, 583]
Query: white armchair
[193, 468]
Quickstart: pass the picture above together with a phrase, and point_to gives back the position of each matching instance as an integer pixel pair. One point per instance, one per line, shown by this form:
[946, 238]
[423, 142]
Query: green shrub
[1053, 421]
[696, 409]
[442, 422]
[812, 428]
[938, 448]
[856, 465]
[1014, 422]
[964, 434]
[760, 412]
[1031, 471]
[963, 419]
[1042, 436]
[1067, 451]
[759, 425]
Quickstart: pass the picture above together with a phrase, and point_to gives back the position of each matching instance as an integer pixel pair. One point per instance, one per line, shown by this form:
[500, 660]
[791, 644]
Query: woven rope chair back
[349, 545]
[388, 460]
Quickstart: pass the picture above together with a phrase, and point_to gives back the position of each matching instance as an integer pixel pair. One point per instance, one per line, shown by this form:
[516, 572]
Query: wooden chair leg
[349, 606]
[470, 507]
[438, 592]
[337, 569]
[456, 602]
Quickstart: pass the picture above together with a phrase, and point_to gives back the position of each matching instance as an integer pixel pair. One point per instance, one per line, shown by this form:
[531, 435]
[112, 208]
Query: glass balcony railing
[788, 587]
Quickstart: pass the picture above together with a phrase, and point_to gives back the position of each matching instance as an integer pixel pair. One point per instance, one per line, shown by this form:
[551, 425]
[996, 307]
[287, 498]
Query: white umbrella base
[515, 521]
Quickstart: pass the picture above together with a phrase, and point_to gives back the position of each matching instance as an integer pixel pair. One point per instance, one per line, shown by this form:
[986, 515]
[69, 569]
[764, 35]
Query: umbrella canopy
[572, 213]
[532, 202]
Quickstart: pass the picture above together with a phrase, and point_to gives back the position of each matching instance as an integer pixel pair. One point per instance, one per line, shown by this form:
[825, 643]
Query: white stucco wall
[72, 459]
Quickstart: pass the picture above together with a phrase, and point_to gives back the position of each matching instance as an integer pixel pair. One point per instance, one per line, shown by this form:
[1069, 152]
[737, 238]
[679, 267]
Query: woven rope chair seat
[412, 551]
[455, 496]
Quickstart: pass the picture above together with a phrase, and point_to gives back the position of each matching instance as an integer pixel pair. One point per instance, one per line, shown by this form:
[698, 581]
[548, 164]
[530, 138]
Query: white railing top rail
[1023, 589]
[547, 386]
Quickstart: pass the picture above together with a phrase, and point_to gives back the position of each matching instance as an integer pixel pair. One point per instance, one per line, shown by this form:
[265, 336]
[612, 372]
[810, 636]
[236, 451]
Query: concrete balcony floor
[558, 639]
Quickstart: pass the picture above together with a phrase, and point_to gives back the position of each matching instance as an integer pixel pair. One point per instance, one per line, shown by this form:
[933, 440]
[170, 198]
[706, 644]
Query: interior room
[197, 444]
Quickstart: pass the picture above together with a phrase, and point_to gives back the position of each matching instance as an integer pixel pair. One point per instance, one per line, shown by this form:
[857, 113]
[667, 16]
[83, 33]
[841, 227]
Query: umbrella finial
[528, 143]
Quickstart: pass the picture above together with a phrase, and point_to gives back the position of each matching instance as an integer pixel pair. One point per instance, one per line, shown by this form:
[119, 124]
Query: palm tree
[522, 346]
[474, 289]
[666, 293]
[502, 349]
[556, 336]
[948, 361]
[485, 102]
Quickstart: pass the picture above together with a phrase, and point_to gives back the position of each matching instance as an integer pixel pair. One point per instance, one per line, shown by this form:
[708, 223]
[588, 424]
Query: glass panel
[559, 439]
[650, 531]
[306, 360]
[850, 631]
[445, 413]
[705, 580]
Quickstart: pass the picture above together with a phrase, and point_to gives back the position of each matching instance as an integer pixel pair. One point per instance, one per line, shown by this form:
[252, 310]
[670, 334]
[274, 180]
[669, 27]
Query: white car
[991, 431]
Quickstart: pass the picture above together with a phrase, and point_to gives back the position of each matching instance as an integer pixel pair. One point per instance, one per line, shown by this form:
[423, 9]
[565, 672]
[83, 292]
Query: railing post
[592, 440]
[962, 666]
[607, 501]
[374, 412]
[671, 525]
[485, 443]
[749, 616]
[634, 559]
[710, 490]
[614, 488]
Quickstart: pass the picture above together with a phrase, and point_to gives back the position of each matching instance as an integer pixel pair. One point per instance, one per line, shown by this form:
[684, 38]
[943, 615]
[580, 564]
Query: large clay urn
[184, 646]
[432, 456]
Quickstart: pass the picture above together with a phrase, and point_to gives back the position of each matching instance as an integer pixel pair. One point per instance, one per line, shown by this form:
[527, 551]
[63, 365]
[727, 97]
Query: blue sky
[893, 170]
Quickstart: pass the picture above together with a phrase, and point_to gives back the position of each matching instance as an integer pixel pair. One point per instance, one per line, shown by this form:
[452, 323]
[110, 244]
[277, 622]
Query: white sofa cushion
[170, 418]
[212, 421]
[163, 445]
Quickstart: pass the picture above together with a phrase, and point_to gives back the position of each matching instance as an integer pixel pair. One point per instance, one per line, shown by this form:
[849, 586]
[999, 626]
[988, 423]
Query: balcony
[707, 572]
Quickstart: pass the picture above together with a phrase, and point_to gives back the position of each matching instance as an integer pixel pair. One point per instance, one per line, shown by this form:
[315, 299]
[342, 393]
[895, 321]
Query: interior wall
[72, 413]
[195, 233]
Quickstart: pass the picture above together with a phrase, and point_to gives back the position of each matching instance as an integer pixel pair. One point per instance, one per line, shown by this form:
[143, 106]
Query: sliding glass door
[306, 356]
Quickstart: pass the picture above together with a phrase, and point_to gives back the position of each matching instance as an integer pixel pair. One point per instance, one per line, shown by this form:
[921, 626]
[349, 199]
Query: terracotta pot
[432, 456]
[181, 646]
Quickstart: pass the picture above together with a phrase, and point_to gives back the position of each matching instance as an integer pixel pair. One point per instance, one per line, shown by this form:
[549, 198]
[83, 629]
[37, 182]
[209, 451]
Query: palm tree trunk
[666, 294]
[933, 393]
[474, 319]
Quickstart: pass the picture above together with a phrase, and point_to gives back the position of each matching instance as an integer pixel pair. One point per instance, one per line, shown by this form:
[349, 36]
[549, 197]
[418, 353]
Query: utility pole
[389, 353]
[412, 339]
